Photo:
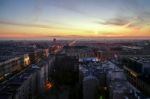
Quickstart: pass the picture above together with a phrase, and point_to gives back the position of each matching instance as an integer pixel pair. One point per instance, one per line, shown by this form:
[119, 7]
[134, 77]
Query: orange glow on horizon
[87, 31]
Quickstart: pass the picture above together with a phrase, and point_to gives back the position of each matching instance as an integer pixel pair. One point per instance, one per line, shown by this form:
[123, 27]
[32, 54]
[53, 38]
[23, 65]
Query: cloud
[106, 33]
[69, 36]
[131, 22]
[23, 24]
[115, 21]
[130, 14]
[124, 22]
[46, 26]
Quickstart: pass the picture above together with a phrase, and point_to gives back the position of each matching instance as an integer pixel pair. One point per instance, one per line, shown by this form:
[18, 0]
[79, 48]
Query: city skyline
[42, 19]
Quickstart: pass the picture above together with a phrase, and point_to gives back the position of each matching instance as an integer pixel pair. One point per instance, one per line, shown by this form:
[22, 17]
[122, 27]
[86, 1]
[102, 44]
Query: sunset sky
[42, 19]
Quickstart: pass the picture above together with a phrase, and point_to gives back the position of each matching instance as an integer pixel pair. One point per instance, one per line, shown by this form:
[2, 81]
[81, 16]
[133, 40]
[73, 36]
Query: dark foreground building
[65, 76]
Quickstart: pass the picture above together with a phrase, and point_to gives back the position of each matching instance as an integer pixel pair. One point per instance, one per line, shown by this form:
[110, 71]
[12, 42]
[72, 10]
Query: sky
[42, 19]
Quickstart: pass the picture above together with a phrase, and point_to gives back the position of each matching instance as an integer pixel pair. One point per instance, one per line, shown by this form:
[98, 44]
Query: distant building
[79, 51]
[54, 40]
[104, 55]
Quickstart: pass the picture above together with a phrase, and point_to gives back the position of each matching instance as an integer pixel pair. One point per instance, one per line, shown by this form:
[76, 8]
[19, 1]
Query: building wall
[90, 88]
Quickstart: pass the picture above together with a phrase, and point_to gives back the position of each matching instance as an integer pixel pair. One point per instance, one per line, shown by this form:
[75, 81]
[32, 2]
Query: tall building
[138, 72]
[65, 76]
[90, 87]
